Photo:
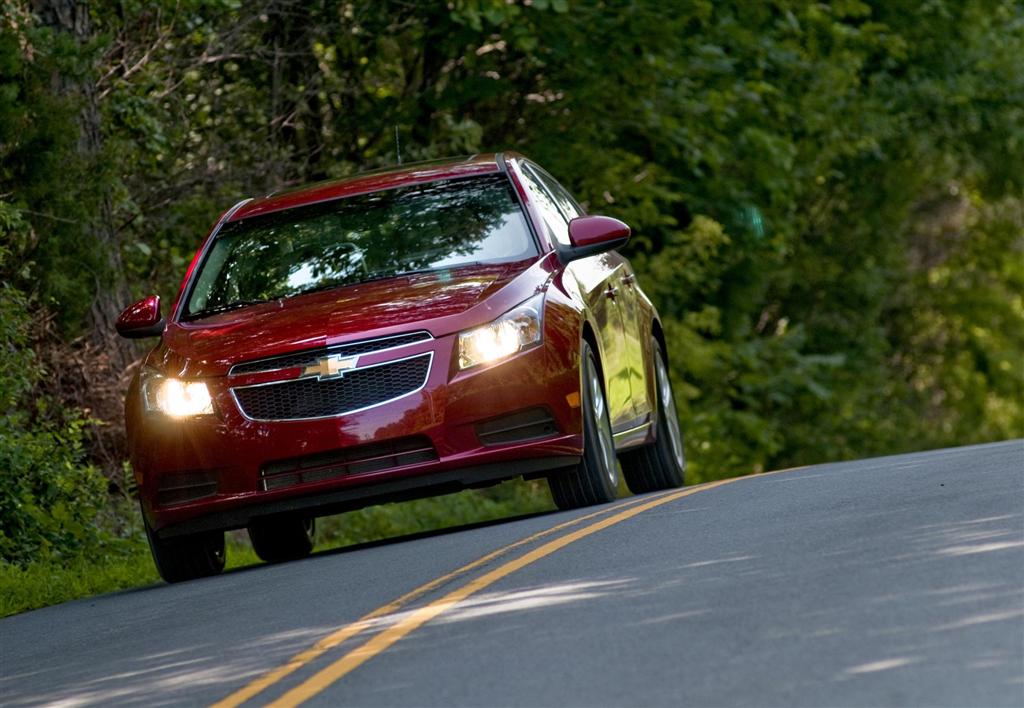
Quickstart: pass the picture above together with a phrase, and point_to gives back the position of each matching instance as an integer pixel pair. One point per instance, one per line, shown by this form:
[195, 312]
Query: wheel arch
[589, 335]
[659, 335]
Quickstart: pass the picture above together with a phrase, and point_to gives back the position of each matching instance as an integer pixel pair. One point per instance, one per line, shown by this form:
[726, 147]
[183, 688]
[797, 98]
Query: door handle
[611, 292]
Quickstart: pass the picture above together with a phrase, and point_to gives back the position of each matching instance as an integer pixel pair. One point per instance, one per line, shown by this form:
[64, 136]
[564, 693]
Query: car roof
[373, 181]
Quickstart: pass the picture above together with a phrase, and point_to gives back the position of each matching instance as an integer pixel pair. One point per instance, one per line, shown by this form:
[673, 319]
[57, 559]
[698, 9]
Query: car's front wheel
[187, 557]
[282, 538]
[595, 480]
[661, 464]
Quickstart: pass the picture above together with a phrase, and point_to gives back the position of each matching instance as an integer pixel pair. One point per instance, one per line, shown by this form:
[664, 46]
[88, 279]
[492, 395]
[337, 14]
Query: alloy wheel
[606, 441]
[668, 411]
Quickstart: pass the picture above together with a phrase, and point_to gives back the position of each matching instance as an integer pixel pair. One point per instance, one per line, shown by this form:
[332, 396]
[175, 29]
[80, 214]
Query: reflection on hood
[208, 347]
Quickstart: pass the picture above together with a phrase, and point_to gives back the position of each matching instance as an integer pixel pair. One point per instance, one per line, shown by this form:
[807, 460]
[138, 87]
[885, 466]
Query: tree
[827, 198]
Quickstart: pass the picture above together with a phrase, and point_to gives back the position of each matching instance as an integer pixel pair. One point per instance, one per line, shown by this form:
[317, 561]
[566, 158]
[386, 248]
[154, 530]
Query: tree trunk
[111, 292]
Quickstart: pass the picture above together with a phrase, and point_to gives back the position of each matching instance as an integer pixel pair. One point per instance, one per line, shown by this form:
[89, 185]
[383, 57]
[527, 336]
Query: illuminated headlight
[174, 397]
[516, 330]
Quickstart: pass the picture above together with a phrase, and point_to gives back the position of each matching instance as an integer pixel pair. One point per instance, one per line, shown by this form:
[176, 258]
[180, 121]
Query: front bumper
[232, 453]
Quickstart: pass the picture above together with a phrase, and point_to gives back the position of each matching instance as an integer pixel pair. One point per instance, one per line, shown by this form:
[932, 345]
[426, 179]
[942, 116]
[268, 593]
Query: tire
[662, 463]
[282, 538]
[187, 557]
[595, 480]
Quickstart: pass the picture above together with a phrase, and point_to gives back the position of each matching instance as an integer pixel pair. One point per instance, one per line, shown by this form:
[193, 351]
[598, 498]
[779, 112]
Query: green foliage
[43, 582]
[49, 498]
[42, 173]
[827, 198]
[128, 564]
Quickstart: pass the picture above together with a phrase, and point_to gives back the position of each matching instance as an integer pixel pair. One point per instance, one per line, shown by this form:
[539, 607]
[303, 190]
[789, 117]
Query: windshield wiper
[321, 288]
[384, 275]
[375, 275]
[394, 273]
[237, 304]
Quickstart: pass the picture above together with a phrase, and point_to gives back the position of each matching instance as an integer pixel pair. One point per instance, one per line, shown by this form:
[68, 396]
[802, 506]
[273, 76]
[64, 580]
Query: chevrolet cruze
[398, 334]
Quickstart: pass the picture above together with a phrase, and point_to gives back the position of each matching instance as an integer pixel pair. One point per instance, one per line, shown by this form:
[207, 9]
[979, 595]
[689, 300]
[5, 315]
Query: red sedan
[398, 334]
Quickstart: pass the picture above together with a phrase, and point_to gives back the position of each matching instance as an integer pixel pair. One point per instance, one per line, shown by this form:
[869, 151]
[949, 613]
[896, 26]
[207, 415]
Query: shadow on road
[782, 591]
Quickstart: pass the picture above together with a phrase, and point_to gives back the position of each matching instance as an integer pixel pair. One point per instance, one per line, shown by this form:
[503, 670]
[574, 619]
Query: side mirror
[141, 319]
[595, 234]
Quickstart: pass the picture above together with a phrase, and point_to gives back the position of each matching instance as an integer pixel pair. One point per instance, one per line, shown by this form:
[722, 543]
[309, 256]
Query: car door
[599, 278]
[634, 319]
[631, 305]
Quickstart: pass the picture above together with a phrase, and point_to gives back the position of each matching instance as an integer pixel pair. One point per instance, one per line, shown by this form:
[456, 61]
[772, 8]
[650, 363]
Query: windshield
[434, 226]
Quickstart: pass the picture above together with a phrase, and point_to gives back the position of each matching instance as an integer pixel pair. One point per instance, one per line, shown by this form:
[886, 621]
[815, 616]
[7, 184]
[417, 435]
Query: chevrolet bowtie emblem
[332, 366]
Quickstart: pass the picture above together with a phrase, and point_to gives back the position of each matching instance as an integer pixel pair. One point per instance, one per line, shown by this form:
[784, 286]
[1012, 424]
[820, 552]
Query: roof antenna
[398, 146]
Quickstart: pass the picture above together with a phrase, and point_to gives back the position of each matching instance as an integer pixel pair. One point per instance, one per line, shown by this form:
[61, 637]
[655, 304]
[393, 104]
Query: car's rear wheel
[187, 557]
[662, 463]
[595, 479]
[282, 538]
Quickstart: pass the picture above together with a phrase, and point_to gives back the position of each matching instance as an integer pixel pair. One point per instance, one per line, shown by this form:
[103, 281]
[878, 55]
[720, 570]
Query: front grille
[354, 460]
[310, 357]
[319, 398]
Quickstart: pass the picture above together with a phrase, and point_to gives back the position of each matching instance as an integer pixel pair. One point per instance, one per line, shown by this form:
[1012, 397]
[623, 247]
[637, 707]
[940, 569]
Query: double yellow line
[381, 641]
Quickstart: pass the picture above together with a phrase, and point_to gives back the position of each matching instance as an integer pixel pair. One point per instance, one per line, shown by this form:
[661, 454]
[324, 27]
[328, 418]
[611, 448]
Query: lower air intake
[182, 487]
[529, 424]
[354, 460]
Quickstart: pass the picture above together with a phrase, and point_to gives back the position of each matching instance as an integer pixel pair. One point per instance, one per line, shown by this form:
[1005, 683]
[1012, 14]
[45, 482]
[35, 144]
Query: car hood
[440, 301]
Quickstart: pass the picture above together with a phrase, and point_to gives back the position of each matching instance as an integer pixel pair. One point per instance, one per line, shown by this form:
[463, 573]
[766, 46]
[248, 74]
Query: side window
[566, 204]
[555, 222]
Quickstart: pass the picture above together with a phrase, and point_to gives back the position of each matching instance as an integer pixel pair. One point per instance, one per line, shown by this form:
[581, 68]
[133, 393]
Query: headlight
[174, 397]
[516, 330]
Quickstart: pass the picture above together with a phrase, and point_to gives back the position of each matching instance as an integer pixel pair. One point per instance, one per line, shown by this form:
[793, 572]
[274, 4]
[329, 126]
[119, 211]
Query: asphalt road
[889, 581]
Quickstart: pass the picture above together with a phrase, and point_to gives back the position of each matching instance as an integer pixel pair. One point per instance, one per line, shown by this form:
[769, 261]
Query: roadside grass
[48, 583]
[127, 564]
[377, 523]
[469, 507]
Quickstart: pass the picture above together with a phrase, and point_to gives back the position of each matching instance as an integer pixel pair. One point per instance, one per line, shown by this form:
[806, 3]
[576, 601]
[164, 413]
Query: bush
[49, 498]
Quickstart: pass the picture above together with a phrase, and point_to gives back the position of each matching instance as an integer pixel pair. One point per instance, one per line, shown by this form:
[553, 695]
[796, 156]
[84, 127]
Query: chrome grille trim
[307, 357]
[426, 377]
